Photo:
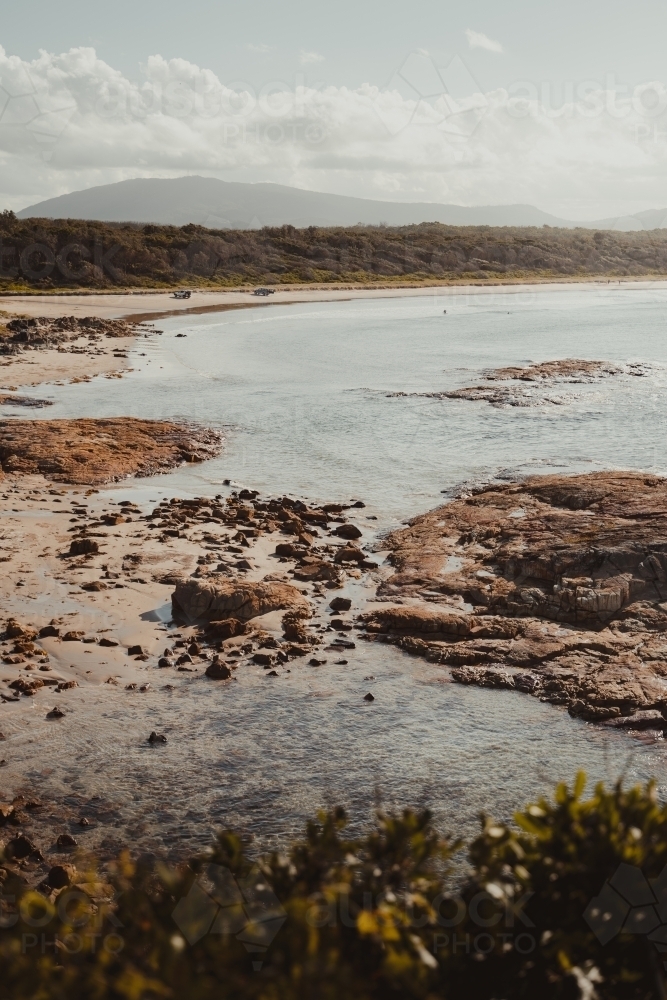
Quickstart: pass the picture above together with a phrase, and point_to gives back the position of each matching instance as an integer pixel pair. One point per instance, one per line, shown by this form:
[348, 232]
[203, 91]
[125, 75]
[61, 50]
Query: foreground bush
[569, 902]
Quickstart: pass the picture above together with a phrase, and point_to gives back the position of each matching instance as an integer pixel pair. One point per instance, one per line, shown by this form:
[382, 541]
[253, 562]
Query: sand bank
[149, 305]
[38, 349]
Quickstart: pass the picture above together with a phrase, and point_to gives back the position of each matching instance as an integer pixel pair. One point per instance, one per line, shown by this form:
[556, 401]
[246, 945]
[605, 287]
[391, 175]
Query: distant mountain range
[218, 204]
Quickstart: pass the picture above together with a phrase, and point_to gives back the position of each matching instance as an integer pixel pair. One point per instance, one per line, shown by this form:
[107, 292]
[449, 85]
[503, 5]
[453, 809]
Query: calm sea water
[303, 394]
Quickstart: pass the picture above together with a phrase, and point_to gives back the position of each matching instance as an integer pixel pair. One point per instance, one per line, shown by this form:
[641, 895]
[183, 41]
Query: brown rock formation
[94, 451]
[534, 385]
[565, 369]
[205, 599]
[561, 576]
[40, 332]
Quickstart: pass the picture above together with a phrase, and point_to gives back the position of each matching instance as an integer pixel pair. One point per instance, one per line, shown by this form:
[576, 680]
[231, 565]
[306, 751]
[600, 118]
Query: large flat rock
[212, 601]
[561, 576]
[91, 451]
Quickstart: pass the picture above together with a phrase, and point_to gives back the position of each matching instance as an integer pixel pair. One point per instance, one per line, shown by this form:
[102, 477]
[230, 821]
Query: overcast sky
[562, 106]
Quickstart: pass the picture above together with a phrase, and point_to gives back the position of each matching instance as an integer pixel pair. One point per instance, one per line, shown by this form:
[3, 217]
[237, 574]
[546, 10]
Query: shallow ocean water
[303, 395]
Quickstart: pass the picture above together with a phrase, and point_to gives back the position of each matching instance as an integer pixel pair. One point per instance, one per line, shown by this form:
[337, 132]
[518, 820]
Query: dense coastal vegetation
[45, 254]
[538, 910]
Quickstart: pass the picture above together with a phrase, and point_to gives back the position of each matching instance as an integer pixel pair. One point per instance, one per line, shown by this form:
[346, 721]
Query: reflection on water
[303, 393]
[262, 754]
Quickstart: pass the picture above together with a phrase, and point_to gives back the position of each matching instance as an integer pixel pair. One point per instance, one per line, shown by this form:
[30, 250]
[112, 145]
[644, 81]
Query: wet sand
[150, 305]
[52, 366]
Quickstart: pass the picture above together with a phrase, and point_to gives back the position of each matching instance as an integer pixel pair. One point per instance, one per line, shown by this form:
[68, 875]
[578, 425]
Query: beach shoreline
[35, 368]
[148, 305]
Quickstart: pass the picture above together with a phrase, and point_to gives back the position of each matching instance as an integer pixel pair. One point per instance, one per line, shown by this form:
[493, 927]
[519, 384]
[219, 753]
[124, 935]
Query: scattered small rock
[55, 713]
[369, 697]
[48, 630]
[340, 604]
[61, 876]
[65, 685]
[157, 738]
[83, 546]
[218, 671]
[20, 847]
[66, 840]
[340, 625]
[347, 531]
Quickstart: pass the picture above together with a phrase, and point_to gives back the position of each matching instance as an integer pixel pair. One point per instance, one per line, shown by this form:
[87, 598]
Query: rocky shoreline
[239, 572]
[253, 584]
[41, 349]
[556, 587]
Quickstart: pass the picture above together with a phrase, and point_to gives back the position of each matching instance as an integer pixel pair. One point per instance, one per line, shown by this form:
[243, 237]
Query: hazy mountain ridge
[216, 204]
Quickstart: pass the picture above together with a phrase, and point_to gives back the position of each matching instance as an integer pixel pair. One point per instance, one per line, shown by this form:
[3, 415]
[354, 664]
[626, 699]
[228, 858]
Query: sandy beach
[151, 305]
[53, 366]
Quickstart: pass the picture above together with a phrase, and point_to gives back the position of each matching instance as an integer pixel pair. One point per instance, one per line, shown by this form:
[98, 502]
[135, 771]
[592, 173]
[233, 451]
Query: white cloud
[309, 57]
[258, 47]
[476, 40]
[70, 121]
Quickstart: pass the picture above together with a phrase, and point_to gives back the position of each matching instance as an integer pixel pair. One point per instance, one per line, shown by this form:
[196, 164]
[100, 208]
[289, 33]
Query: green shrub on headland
[567, 902]
[51, 254]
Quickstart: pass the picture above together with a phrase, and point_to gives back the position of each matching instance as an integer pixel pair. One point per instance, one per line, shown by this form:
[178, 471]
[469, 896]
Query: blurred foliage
[361, 918]
[81, 254]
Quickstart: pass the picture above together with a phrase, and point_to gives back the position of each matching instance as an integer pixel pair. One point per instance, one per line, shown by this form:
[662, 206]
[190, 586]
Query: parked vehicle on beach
[263, 291]
[182, 294]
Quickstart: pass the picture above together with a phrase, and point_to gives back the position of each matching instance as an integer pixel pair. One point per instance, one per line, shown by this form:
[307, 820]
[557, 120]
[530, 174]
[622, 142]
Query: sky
[561, 106]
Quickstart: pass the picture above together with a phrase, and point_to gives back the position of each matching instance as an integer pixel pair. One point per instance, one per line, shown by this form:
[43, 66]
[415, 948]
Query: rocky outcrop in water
[535, 384]
[28, 401]
[94, 451]
[563, 370]
[556, 586]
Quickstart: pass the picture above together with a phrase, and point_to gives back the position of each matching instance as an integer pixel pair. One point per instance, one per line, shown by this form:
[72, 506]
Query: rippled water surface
[304, 394]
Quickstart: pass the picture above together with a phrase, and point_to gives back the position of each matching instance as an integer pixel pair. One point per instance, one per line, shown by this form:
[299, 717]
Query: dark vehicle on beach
[263, 291]
[182, 295]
